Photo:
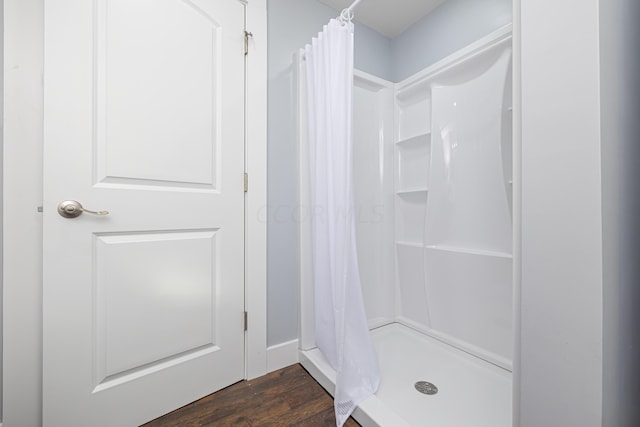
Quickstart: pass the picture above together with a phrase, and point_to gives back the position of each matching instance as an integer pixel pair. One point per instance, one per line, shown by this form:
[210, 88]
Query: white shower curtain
[341, 327]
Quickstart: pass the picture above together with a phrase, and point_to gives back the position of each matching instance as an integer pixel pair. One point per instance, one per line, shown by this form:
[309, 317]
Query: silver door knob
[73, 209]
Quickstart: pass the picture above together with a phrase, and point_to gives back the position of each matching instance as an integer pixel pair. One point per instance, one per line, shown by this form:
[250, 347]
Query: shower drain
[425, 387]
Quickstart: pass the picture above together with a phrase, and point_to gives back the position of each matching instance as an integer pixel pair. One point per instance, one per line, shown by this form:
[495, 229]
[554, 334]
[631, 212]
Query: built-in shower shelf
[423, 138]
[412, 163]
[410, 244]
[470, 251]
[455, 249]
[411, 191]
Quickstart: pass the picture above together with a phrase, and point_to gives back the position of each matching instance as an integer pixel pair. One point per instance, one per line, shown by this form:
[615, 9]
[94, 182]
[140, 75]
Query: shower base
[471, 392]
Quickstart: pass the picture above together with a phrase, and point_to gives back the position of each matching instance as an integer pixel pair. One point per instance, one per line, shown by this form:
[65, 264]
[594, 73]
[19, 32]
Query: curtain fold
[341, 328]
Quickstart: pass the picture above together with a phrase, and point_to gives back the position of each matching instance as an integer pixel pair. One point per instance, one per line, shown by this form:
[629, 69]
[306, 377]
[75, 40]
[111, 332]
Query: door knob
[73, 209]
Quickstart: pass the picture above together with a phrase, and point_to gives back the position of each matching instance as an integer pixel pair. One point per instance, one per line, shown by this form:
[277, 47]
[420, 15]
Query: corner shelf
[410, 244]
[423, 138]
[413, 110]
[470, 251]
[411, 191]
[412, 163]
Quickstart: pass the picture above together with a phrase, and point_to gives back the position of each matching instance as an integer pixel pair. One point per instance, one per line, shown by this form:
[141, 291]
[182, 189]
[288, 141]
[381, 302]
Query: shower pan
[433, 211]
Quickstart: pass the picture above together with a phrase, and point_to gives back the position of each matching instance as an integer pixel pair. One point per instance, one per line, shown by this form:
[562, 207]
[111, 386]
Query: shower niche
[432, 184]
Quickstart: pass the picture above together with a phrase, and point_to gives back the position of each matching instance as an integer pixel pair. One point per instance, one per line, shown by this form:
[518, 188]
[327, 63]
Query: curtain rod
[353, 5]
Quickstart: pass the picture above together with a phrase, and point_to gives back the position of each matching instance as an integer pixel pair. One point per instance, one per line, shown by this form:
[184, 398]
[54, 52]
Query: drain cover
[425, 387]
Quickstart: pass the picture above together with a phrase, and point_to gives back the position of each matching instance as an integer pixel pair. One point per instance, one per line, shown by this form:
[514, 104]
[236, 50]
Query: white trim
[370, 81]
[256, 201]
[22, 193]
[517, 208]
[306, 322]
[281, 355]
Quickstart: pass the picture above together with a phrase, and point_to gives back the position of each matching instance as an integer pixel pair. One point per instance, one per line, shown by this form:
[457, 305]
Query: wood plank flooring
[288, 397]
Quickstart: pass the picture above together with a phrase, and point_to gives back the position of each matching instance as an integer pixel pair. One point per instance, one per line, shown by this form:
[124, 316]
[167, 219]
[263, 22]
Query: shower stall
[433, 211]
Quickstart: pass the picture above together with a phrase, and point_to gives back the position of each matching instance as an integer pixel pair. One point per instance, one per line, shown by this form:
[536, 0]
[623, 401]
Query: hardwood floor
[288, 397]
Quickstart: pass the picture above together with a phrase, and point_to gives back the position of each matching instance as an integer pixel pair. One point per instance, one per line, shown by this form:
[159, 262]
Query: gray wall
[292, 24]
[620, 109]
[451, 26]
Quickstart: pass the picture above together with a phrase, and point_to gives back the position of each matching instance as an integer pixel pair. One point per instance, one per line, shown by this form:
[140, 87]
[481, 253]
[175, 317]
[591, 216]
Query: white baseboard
[282, 355]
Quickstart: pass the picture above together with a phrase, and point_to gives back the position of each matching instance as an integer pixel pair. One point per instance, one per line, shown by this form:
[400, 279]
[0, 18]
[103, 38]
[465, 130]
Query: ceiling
[389, 17]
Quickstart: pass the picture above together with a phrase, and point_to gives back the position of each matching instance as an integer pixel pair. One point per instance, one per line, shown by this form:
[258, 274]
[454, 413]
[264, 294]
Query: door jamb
[256, 166]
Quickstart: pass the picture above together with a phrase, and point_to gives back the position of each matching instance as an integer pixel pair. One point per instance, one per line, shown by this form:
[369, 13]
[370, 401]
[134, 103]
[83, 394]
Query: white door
[143, 307]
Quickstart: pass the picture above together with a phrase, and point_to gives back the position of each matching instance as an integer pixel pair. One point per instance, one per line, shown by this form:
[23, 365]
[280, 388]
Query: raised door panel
[155, 301]
[157, 88]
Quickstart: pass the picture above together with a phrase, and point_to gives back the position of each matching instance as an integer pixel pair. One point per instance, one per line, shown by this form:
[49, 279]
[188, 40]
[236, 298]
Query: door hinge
[246, 321]
[247, 34]
[246, 182]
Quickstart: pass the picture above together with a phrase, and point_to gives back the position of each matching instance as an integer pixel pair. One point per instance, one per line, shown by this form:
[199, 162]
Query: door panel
[144, 117]
[164, 128]
[172, 276]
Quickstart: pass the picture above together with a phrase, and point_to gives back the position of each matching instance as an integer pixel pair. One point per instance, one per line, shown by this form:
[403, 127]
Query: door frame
[22, 223]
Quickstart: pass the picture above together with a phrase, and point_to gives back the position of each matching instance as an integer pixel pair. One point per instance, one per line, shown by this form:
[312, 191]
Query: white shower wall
[432, 178]
[373, 182]
[373, 128]
[432, 182]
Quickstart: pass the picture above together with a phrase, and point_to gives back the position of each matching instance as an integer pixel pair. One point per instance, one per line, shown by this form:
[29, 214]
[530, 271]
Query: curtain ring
[346, 16]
